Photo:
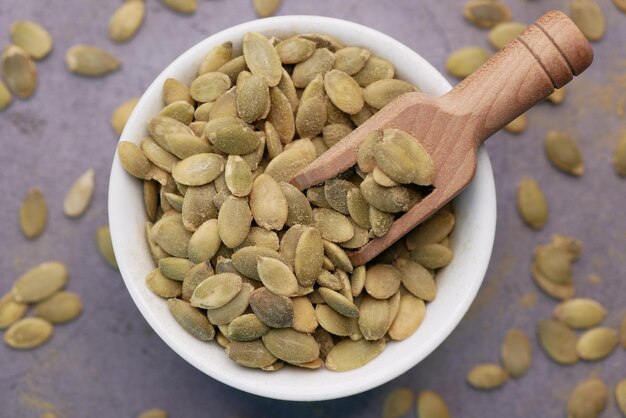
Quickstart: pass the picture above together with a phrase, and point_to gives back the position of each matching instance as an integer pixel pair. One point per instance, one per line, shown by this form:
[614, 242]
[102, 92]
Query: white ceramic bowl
[472, 239]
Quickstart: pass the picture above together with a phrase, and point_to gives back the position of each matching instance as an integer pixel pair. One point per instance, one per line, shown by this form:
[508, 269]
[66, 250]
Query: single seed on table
[463, 62]
[620, 388]
[557, 341]
[79, 196]
[411, 312]
[487, 377]
[19, 71]
[262, 58]
[531, 203]
[32, 38]
[504, 33]
[597, 343]
[28, 333]
[10, 310]
[431, 405]
[191, 319]
[216, 291]
[105, 247]
[265, 8]
[589, 18]
[122, 113]
[516, 353]
[162, 286]
[5, 96]
[558, 96]
[619, 158]
[580, 313]
[181, 6]
[153, 413]
[486, 13]
[40, 282]
[554, 263]
[33, 213]
[126, 20]
[563, 152]
[398, 403]
[588, 399]
[60, 308]
[90, 61]
[349, 355]
[517, 125]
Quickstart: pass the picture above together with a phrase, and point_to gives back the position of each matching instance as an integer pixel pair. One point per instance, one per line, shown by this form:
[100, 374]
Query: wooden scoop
[451, 128]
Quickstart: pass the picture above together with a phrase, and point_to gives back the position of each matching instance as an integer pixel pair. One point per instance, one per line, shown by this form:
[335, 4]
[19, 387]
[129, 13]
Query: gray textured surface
[109, 363]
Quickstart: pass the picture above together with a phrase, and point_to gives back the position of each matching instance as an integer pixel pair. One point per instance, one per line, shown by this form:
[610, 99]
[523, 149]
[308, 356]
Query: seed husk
[487, 377]
[431, 405]
[373, 318]
[19, 71]
[295, 49]
[339, 302]
[79, 196]
[90, 61]
[28, 333]
[320, 62]
[504, 33]
[246, 328]
[343, 91]
[588, 399]
[388, 199]
[122, 113]
[563, 152]
[619, 158]
[32, 38]
[5, 96]
[380, 93]
[126, 20]
[486, 13]
[236, 307]
[349, 355]
[557, 341]
[589, 18]
[155, 412]
[597, 343]
[40, 282]
[411, 312]
[620, 388]
[33, 213]
[216, 291]
[181, 6]
[277, 277]
[250, 353]
[10, 310]
[516, 353]
[162, 286]
[105, 246]
[199, 169]
[273, 310]
[580, 313]
[555, 290]
[268, 203]
[432, 231]
[397, 403]
[262, 58]
[417, 279]
[432, 256]
[375, 69]
[517, 125]
[291, 346]
[463, 62]
[333, 225]
[303, 315]
[60, 308]
[531, 203]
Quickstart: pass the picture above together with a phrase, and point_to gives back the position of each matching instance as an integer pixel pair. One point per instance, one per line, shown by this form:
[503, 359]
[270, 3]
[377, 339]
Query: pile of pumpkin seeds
[241, 249]
[42, 288]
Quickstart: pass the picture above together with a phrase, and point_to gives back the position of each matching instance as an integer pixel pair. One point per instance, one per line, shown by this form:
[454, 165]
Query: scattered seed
[517, 125]
[40, 282]
[588, 399]
[431, 405]
[563, 152]
[558, 96]
[265, 8]
[619, 159]
[589, 18]
[32, 38]
[79, 196]
[596, 343]
[397, 403]
[531, 203]
[10, 310]
[90, 61]
[28, 333]
[463, 62]
[33, 214]
[486, 13]
[504, 33]
[5, 96]
[516, 353]
[153, 413]
[60, 308]
[620, 389]
[487, 377]
[558, 341]
[181, 6]
[126, 20]
[19, 71]
[122, 113]
[580, 313]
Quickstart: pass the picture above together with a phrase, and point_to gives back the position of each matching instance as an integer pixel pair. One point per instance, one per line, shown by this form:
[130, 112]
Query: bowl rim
[378, 377]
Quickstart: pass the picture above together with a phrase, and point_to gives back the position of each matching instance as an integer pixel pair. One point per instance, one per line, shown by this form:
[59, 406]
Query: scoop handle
[545, 56]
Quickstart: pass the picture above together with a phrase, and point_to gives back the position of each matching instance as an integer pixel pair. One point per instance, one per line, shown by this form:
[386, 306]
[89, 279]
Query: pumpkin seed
[333, 322]
[311, 117]
[198, 206]
[90, 61]
[19, 71]
[382, 92]
[580, 313]
[397, 403]
[557, 341]
[382, 281]
[40, 282]
[161, 128]
[531, 203]
[236, 307]
[277, 277]
[33, 213]
[463, 62]
[233, 67]
[10, 310]
[358, 208]
[517, 125]
[281, 115]
[303, 315]
[174, 91]
[79, 196]
[162, 286]
[360, 238]
[308, 256]
[273, 310]
[622, 332]
[60, 308]
[246, 328]
[360, 118]
[151, 413]
[32, 38]
[411, 312]
[589, 18]
[336, 194]
[417, 279]
[175, 268]
[487, 377]
[157, 155]
[250, 353]
[286, 165]
[380, 221]
[291, 346]
[217, 58]
[268, 203]
[486, 13]
[596, 343]
[619, 159]
[381, 178]
[588, 399]
[265, 8]
[564, 154]
[5, 96]
[122, 113]
[238, 176]
[504, 33]
[432, 256]
[299, 210]
[181, 6]
[245, 260]
[199, 169]
[343, 91]
[516, 353]
[295, 49]
[253, 99]
[216, 291]
[388, 199]
[349, 355]
[431, 231]
[209, 86]
[620, 388]
[373, 318]
[366, 152]
[136, 163]
[191, 319]
[558, 96]
[204, 242]
[262, 58]
[351, 60]
[554, 263]
[338, 256]
[339, 302]
[126, 21]
[173, 238]
[555, 290]
[329, 280]
[105, 246]
[375, 69]
[333, 225]
[431, 405]
[28, 333]
[320, 62]
[180, 110]
[357, 280]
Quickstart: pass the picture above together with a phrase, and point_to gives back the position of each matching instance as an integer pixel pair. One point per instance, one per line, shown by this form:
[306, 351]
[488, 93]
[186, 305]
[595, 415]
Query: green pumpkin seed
[246, 328]
[486, 13]
[90, 61]
[199, 169]
[516, 353]
[339, 302]
[184, 145]
[343, 91]
[303, 315]
[358, 208]
[580, 313]
[286, 165]
[487, 377]
[40, 282]
[333, 322]
[317, 197]
[174, 91]
[337, 256]
[334, 133]
[295, 50]
[351, 60]
[60, 308]
[431, 405]
[517, 125]
[28, 333]
[360, 238]
[357, 280]
[5, 96]
[250, 353]
[150, 198]
[272, 141]
[152, 413]
[596, 343]
[162, 286]
[261, 58]
[198, 206]
[299, 209]
[236, 307]
[360, 118]
[19, 71]
[122, 113]
[417, 279]
[192, 278]
[238, 176]
[209, 86]
[555, 290]
[336, 194]
[216, 58]
[421, 172]
[134, 161]
[277, 277]
[175, 268]
[411, 312]
[619, 158]
[273, 310]
[235, 139]
[181, 6]
[366, 152]
[588, 399]
[380, 93]
[262, 238]
[531, 203]
[234, 221]
[349, 355]
[33, 213]
[432, 256]
[204, 242]
[157, 155]
[504, 33]
[620, 388]
[398, 403]
[381, 178]
[311, 117]
[564, 154]
[32, 38]
[554, 263]
[589, 18]
[373, 318]
[291, 346]
[281, 115]
[463, 62]
[253, 99]
[375, 69]
[432, 231]
[10, 310]
[388, 199]
[175, 201]
[268, 203]
[382, 281]
[162, 127]
[181, 110]
[173, 238]
[216, 291]
[333, 225]
[558, 341]
[105, 246]
[79, 196]
[320, 62]
[126, 21]
[329, 280]
[308, 256]
[265, 8]
[233, 67]
[246, 260]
